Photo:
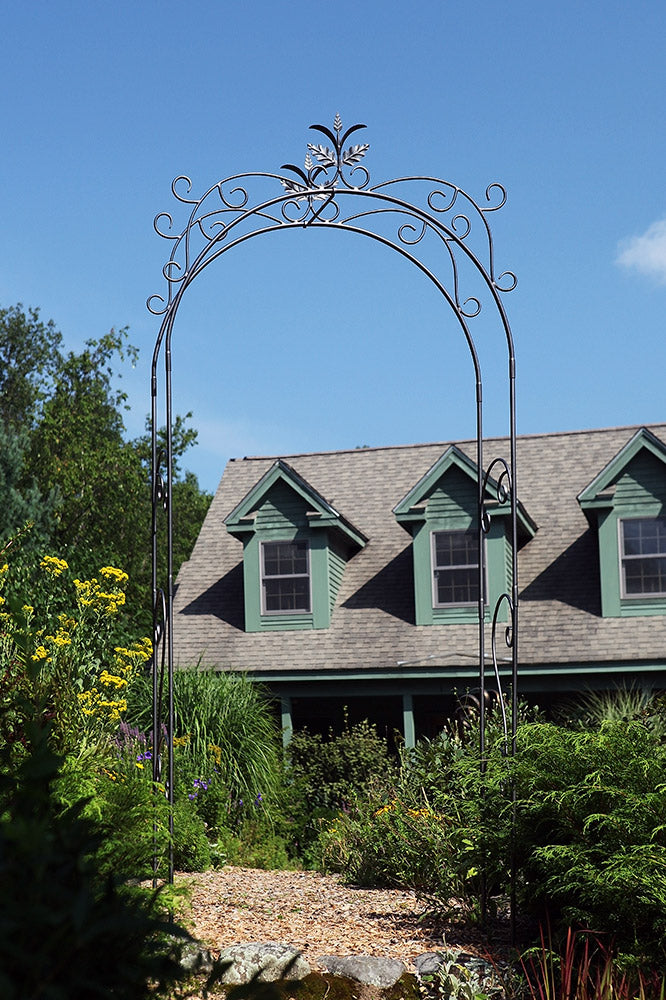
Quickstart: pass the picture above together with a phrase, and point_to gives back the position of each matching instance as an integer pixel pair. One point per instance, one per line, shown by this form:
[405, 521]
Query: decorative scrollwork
[160, 486]
[508, 638]
[245, 204]
[503, 486]
[160, 625]
[321, 159]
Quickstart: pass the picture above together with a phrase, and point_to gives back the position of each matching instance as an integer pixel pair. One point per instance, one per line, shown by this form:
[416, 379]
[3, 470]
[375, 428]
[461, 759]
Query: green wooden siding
[642, 482]
[640, 491]
[282, 516]
[336, 569]
[282, 507]
[454, 496]
[452, 506]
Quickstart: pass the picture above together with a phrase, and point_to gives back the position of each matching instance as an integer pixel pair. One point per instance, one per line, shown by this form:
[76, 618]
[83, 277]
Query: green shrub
[191, 850]
[590, 828]
[591, 831]
[66, 933]
[253, 845]
[327, 775]
[396, 846]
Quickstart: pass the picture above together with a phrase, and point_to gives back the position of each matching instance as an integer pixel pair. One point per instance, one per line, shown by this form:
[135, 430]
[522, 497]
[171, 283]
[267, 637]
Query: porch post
[408, 727]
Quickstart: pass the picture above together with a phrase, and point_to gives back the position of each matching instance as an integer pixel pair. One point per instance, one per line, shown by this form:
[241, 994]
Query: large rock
[381, 972]
[264, 962]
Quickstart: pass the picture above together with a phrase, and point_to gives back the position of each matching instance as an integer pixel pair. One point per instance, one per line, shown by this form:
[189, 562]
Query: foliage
[452, 980]
[60, 653]
[590, 833]
[621, 704]
[29, 358]
[228, 745]
[64, 933]
[326, 775]
[396, 846]
[67, 466]
[22, 500]
[590, 839]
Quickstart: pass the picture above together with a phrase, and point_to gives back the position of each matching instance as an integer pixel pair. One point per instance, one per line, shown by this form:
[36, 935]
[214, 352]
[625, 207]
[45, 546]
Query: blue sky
[308, 341]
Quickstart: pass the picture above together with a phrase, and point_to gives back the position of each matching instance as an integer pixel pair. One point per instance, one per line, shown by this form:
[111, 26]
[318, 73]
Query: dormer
[626, 504]
[295, 548]
[441, 514]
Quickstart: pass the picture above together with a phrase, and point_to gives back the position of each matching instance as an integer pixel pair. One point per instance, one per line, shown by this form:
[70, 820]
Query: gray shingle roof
[372, 625]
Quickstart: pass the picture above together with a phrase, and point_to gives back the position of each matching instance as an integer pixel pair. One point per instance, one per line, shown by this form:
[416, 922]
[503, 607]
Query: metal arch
[446, 224]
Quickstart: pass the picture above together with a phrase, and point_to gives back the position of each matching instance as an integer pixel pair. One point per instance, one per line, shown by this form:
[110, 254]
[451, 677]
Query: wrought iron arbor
[433, 224]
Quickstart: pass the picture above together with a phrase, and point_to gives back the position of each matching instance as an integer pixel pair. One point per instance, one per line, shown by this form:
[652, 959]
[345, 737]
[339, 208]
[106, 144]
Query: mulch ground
[316, 914]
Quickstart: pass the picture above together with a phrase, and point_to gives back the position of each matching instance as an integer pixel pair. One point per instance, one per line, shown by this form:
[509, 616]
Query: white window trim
[657, 594]
[284, 576]
[434, 569]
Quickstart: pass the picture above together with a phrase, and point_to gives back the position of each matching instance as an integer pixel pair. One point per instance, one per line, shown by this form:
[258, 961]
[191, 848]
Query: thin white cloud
[647, 253]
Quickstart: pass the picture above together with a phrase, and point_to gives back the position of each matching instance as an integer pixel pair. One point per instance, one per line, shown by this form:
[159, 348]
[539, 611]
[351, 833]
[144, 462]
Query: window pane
[289, 594]
[285, 558]
[458, 586]
[645, 576]
[456, 548]
[644, 556]
[644, 536]
[456, 567]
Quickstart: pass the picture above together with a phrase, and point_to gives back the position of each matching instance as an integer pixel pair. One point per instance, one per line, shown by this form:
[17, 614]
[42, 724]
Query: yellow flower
[113, 575]
[89, 701]
[28, 609]
[61, 638]
[85, 591]
[3, 569]
[53, 566]
[112, 680]
[41, 653]
[90, 594]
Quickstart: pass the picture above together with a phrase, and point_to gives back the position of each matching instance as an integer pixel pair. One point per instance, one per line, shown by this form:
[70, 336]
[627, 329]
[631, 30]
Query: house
[348, 577]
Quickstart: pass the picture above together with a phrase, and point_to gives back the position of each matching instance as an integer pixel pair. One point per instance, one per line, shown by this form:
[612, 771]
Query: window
[285, 577]
[643, 556]
[455, 562]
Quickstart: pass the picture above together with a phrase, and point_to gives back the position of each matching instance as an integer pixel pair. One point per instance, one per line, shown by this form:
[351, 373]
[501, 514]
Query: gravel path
[314, 913]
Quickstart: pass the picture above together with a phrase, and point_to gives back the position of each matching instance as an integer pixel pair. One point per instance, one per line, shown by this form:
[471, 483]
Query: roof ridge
[444, 444]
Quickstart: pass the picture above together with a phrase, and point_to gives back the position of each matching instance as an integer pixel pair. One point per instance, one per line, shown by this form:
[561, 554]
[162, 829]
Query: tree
[22, 501]
[67, 465]
[78, 447]
[29, 358]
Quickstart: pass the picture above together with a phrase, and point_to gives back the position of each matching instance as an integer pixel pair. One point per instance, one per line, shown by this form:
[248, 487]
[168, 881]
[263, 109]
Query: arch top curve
[439, 222]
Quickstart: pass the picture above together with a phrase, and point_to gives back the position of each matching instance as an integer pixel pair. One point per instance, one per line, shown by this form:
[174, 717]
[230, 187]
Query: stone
[366, 969]
[193, 957]
[264, 962]
[428, 964]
